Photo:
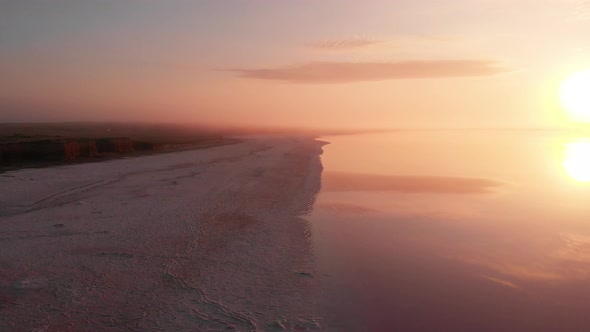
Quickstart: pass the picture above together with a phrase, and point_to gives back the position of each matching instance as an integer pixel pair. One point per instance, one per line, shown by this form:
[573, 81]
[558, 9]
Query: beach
[208, 239]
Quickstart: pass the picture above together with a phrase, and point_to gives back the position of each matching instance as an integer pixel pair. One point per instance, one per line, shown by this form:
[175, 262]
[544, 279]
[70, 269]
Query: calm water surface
[455, 231]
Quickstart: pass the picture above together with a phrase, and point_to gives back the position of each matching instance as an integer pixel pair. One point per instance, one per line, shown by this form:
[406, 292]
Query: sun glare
[575, 96]
[577, 160]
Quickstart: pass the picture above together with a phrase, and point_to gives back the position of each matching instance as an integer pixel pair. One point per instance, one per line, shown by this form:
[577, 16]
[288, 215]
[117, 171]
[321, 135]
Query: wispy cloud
[582, 10]
[346, 72]
[344, 44]
[502, 282]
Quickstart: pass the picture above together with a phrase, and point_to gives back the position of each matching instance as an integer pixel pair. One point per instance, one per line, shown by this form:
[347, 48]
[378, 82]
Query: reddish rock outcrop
[15, 150]
[31, 151]
[47, 150]
[119, 144]
[80, 148]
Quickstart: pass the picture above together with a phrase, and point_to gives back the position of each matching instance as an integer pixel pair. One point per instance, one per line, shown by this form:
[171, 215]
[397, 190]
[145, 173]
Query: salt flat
[197, 240]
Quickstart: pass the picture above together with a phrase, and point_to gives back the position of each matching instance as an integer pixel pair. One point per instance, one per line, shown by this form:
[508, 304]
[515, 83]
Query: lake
[467, 230]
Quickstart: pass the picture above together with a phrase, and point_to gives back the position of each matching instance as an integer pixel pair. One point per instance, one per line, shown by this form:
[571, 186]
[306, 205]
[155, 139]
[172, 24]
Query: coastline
[200, 239]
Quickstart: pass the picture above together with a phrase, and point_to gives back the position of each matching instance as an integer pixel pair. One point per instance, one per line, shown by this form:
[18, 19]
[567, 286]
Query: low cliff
[73, 149]
[116, 144]
[16, 150]
[47, 150]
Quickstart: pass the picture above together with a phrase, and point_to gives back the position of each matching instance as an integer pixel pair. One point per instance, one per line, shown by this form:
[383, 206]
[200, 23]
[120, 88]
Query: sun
[575, 96]
[577, 160]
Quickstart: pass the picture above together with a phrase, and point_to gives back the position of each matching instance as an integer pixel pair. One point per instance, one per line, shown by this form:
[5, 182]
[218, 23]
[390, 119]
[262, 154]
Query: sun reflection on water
[577, 159]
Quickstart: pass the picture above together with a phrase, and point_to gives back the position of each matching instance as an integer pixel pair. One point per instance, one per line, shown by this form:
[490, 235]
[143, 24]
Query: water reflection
[345, 181]
[577, 159]
[454, 231]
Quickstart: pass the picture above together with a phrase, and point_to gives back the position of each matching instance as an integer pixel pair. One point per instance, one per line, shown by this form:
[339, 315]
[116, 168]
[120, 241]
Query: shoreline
[199, 239]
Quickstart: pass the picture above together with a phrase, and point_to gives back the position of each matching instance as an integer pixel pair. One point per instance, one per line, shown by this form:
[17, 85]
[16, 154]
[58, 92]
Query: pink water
[460, 231]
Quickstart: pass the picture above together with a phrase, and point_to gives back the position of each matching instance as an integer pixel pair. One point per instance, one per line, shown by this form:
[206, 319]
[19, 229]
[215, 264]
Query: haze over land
[339, 64]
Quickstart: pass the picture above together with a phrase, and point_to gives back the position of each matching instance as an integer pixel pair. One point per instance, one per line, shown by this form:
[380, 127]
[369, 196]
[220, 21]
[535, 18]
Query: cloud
[582, 11]
[344, 44]
[501, 282]
[346, 72]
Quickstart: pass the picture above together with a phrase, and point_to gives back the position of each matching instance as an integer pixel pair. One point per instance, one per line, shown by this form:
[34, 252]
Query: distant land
[47, 144]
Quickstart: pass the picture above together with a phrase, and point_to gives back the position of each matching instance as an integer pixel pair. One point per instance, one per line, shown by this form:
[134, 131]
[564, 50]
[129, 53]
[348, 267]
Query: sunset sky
[328, 63]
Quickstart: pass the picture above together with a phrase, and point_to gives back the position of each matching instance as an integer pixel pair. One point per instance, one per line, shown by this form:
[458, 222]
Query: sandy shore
[195, 240]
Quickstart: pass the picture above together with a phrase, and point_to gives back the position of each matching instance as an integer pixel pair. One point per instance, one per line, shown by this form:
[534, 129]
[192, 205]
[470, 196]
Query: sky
[293, 63]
